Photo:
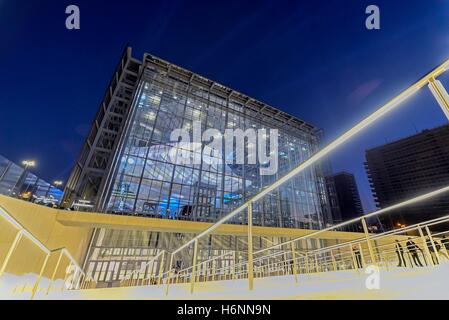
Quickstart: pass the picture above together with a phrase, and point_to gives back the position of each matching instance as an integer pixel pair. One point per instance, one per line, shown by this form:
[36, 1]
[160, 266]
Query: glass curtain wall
[18, 183]
[149, 183]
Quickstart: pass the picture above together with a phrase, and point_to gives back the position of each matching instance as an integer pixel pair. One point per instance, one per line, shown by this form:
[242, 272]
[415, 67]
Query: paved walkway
[422, 283]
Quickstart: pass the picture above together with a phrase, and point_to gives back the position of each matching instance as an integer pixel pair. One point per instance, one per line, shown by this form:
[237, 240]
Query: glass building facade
[17, 182]
[136, 173]
[146, 181]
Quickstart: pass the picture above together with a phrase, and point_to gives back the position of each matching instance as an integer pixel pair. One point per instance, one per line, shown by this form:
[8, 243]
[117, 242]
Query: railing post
[11, 250]
[383, 261]
[66, 276]
[368, 242]
[133, 274]
[234, 259]
[170, 268]
[426, 249]
[433, 245]
[83, 282]
[36, 285]
[440, 95]
[307, 263]
[362, 257]
[250, 247]
[54, 273]
[161, 269]
[295, 269]
[334, 262]
[284, 262]
[78, 281]
[199, 269]
[193, 276]
[354, 260]
[214, 263]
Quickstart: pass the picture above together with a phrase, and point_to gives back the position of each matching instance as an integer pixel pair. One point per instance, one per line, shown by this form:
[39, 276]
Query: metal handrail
[23, 232]
[324, 260]
[145, 265]
[388, 107]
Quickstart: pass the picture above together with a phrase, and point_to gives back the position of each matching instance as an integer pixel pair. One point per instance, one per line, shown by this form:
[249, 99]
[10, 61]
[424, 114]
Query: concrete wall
[42, 223]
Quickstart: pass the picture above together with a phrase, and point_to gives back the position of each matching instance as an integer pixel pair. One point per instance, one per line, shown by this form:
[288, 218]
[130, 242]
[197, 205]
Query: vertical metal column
[161, 269]
[36, 285]
[295, 269]
[250, 248]
[433, 245]
[307, 263]
[11, 250]
[334, 262]
[440, 95]
[317, 269]
[66, 276]
[234, 262]
[362, 256]
[214, 263]
[354, 260]
[170, 268]
[426, 249]
[193, 276]
[368, 242]
[54, 272]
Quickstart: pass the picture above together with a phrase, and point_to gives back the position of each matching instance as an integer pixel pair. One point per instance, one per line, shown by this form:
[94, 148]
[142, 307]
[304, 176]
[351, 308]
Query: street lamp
[27, 164]
[58, 183]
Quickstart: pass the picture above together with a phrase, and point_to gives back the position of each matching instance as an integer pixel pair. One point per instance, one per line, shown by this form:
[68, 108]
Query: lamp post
[58, 183]
[27, 164]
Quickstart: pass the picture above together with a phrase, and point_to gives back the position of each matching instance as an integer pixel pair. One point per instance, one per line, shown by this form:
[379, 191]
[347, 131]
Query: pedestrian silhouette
[445, 243]
[433, 254]
[400, 254]
[413, 250]
[438, 252]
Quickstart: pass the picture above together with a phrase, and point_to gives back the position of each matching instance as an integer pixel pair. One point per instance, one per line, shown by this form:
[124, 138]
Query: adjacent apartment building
[409, 167]
[348, 204]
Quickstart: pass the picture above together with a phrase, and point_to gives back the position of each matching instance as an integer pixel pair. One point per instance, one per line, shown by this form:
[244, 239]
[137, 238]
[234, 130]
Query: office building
[347, 205]
[406, 168]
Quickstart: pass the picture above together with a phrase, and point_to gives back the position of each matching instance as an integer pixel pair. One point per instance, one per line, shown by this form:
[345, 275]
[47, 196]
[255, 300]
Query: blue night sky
[313, 59]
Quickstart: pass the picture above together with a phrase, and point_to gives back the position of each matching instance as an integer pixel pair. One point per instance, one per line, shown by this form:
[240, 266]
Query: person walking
[439, 248]
[445, 244]
[431, 248]
[400, 254]
[413, 250]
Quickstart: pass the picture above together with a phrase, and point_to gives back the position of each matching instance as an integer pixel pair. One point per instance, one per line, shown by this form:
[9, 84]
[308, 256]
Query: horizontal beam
[113, 221]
